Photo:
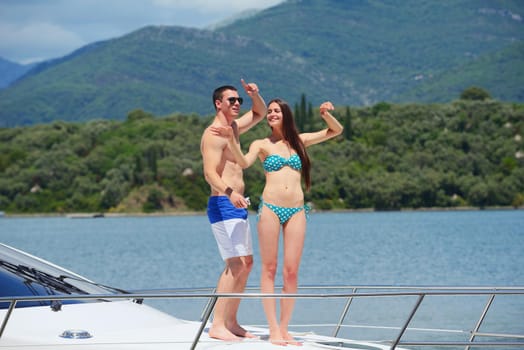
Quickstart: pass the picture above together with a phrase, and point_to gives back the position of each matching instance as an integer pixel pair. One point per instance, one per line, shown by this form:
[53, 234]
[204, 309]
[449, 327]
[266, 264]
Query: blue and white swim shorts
[230, 226]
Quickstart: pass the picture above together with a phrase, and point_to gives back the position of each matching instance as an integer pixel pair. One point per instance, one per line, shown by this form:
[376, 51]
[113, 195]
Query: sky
[36, 30]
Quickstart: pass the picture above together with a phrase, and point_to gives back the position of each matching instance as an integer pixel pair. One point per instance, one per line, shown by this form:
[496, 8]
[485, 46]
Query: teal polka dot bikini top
[275, 162]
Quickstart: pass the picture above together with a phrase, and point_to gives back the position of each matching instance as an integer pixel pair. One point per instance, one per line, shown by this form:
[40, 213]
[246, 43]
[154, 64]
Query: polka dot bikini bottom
[283, 213]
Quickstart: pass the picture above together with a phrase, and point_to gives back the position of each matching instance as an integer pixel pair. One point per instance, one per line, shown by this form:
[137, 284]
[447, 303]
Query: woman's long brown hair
[290, 134]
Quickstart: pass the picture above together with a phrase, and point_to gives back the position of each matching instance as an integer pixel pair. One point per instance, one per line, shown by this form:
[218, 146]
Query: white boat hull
[120, 325]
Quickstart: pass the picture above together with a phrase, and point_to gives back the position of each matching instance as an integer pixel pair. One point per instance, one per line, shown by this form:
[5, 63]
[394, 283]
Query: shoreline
[200, 213]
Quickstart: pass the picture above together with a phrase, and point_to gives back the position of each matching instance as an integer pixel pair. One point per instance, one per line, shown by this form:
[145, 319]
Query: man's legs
[240, 267]
[232, 280]
[232, 232]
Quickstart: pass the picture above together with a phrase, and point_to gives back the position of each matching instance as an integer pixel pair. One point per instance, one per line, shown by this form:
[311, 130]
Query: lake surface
[466, 248]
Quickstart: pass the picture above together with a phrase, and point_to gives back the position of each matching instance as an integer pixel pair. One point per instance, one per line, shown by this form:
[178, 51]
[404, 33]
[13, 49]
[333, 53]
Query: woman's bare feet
[222, 333]
[275, 337]
[289, 339]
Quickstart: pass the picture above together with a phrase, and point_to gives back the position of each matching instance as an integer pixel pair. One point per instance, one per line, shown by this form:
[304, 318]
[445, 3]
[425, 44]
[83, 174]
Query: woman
[285, 161]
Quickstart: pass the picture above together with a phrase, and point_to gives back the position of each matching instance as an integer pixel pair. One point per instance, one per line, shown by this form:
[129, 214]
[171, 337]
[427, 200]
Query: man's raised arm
[258, 108]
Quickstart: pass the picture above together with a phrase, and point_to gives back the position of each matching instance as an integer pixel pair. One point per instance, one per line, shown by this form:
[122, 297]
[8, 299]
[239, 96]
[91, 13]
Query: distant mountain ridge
[10, 71]
[350, 52]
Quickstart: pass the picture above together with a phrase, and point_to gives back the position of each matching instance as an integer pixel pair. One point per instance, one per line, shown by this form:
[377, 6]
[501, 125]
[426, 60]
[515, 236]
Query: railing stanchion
[207, 304]
[481, 319]
[205, 318]
[406, 324]
[344, 313]
[7, 315]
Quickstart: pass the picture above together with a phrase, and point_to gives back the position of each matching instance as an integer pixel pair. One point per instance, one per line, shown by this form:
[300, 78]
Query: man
[227, 207]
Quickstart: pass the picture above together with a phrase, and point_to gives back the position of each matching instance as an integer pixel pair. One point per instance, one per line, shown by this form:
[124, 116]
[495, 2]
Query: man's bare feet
[241, 332]
[222, 333]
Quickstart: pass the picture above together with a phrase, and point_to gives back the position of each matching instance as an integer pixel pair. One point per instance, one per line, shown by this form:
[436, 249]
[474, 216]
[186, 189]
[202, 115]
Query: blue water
[361, 248]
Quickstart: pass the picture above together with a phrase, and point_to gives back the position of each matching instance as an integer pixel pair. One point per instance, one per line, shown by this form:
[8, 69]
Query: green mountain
[158, 69]
[356, 53]
[503, 69]
[387, 50]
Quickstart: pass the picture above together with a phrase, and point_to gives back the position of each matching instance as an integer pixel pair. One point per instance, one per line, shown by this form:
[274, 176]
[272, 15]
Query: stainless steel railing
[350, 293]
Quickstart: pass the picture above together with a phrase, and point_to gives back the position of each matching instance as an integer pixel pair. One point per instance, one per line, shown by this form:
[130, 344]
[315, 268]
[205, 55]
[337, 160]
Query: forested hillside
[420, 51]
[464, 153]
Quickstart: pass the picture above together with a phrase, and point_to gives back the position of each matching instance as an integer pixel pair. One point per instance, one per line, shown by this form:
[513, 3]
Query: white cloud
[35, 41]
[38, 29]
[207, 6]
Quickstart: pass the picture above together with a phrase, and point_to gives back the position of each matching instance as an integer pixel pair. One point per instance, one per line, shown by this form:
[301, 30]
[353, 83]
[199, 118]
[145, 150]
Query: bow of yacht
[44, 306]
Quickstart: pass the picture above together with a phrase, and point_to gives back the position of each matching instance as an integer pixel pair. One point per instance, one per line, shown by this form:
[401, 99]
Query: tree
[138, 114]
[309, 119]
[299, 119]
[347, 124]
[303, 105]
[154, 201]
[304, 115]
[475, 94]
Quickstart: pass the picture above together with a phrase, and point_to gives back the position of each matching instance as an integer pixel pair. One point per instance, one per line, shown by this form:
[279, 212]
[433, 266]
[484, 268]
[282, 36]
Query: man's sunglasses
[232, 100]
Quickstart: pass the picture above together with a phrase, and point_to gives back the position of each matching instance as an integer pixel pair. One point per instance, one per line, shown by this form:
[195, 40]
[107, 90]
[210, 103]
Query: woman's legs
[294, 233]
[268, 235]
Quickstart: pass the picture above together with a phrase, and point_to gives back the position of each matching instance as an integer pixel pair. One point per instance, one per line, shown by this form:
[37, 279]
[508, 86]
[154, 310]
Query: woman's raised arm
[334, 128]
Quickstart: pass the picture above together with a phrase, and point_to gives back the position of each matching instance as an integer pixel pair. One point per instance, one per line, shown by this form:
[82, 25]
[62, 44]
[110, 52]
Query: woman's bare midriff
[283, 188]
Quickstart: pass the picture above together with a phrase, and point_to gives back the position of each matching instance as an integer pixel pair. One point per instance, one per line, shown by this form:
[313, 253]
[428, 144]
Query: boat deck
[409, 317]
